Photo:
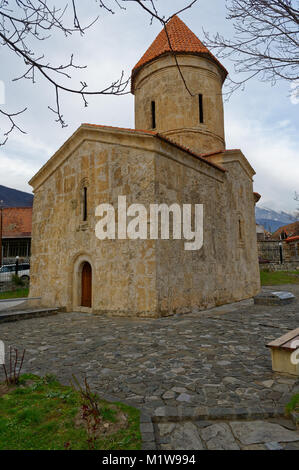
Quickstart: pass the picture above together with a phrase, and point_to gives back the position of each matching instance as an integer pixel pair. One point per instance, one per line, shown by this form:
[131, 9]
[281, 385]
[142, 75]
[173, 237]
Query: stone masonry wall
[177, 112]
[141, 277]
[124, 274]
[226, 268]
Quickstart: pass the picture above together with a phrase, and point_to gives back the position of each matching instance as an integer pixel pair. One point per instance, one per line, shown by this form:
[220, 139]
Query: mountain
[273, 220]
[15, 198]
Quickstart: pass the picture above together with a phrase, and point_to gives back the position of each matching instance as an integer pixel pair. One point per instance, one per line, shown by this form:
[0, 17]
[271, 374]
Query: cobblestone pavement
[275, 434]
[205, 364]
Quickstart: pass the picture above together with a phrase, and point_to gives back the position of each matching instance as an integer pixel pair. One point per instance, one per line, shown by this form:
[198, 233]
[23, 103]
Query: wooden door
[86, 285]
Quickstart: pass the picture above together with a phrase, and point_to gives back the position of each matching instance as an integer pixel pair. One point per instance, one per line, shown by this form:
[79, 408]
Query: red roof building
[16, 232]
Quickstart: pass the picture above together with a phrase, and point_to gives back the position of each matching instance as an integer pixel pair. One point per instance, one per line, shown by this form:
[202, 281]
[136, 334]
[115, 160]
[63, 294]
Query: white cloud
[21, 160]
[273, 153]
[17, 172]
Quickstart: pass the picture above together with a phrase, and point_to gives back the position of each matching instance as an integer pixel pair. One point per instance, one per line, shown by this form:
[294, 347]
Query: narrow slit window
[200, 102]
[153, 115]
[241, 231]
[84, 204]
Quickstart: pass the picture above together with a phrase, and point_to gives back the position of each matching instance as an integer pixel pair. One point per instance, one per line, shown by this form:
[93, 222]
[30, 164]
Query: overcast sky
[262, 120]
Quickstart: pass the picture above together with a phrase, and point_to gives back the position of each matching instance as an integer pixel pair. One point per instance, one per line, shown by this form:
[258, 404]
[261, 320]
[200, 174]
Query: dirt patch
[4, 389]
[105, 428]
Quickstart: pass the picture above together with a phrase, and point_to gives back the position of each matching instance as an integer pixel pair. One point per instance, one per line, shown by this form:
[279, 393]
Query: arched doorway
[86, 282]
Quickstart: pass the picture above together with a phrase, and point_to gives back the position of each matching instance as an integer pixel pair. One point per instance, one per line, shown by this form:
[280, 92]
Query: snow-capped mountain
[272, 219]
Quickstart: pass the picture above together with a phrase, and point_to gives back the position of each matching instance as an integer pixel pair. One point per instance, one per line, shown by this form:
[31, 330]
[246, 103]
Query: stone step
[26, 314]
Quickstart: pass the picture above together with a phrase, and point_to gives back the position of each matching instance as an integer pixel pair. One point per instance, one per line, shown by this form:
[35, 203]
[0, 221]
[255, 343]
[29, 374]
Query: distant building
[287, 232]
[16, 223]
[290, 234]
[262, 233]
[16, 235]
[286, 238]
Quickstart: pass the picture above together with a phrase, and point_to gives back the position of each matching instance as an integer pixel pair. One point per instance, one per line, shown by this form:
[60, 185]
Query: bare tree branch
[11, 118]
[23, 21]
[266, 40]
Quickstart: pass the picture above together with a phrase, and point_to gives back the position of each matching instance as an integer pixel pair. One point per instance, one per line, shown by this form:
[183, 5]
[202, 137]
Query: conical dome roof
[182, 40]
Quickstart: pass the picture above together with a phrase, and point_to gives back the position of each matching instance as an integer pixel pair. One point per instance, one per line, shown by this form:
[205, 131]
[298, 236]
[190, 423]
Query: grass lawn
[293, 405]
[41, 414]
[15, 293]
[279, 277]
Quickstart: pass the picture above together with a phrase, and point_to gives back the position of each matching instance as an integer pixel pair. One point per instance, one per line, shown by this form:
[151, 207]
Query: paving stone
[168, 395]
[256, 432]
[146, 428]
[254, 447]
[186, 437]
[219, 437]
[286, 423]
[179, 389]
[273, 446]
[166, 428]
[231, 380]
[149, 446]
[203, 424]
[291, 446]
[184, 397]
[268, 383]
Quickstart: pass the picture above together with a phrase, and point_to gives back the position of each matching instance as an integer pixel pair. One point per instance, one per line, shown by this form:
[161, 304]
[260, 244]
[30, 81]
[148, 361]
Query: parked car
[8, 270]
[263, 260]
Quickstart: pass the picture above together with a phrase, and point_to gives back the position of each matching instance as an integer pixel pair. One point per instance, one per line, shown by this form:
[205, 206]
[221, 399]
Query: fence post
[17, 265]
[281, 253]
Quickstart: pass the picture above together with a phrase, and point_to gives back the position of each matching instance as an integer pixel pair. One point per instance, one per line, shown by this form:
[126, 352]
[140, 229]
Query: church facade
[175, 155]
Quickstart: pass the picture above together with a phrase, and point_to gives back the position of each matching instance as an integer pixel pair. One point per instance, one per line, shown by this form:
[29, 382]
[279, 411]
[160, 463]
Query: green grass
[279, 278]
[293, 405]
[15, 294]
[40, 415]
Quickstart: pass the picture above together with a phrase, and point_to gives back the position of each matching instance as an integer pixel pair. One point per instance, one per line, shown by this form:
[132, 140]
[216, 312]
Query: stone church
[175, 154]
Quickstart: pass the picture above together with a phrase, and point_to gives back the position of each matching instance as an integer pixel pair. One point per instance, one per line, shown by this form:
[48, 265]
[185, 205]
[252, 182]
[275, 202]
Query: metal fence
[16, 247]
[269, 252]
[279, 252]
[8, 273]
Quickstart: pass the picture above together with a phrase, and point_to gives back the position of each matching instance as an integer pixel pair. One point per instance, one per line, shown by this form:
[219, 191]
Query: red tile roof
[120, 128]
[292, 239]
[182, 40]
[291, 230]
[161, 137]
